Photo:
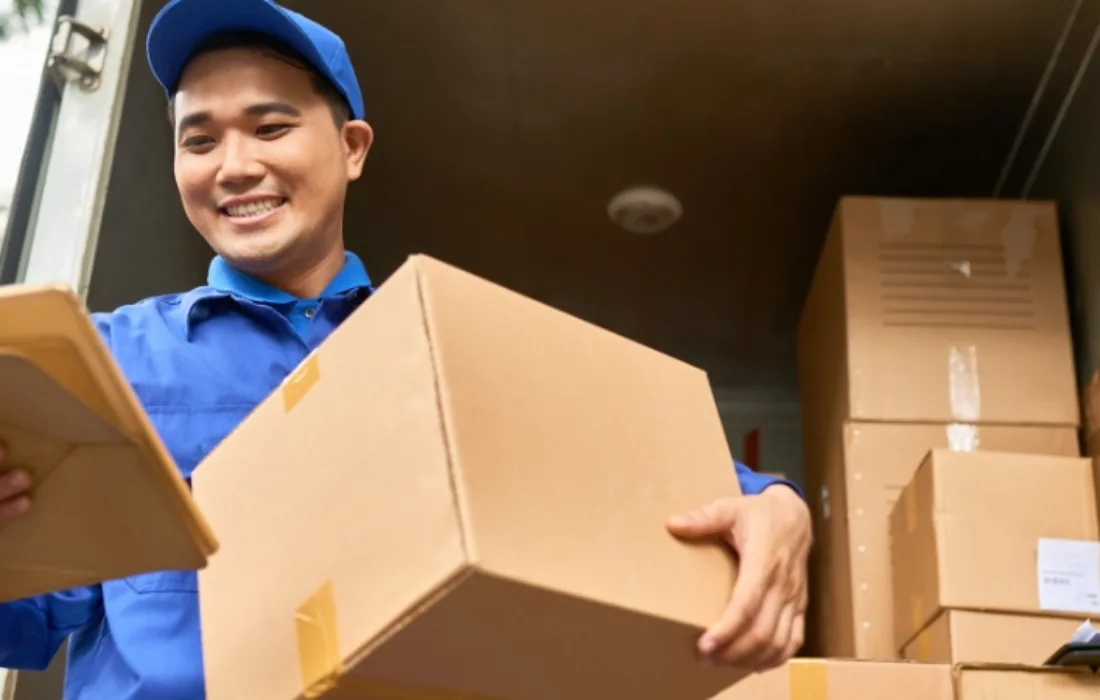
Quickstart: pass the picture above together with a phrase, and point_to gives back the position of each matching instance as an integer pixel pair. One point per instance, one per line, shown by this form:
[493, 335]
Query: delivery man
[268, 127]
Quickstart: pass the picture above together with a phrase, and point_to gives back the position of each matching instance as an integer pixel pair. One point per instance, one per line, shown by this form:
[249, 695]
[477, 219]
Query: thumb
[715, 518]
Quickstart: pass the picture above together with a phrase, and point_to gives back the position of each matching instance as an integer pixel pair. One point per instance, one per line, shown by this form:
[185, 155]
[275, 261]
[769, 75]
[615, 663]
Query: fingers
[798, 636]
[14, 507]
[14, 483]
[754, 580]
[773, 650]
[716, 518]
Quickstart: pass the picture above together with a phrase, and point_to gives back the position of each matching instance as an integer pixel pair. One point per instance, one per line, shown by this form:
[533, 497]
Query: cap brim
[182, 25]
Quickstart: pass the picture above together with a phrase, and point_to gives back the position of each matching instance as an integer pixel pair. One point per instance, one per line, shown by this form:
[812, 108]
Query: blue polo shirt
[199, 363]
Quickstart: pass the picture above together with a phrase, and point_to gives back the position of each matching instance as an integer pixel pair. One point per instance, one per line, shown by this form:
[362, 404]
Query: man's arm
[32, 630]
[754, 483]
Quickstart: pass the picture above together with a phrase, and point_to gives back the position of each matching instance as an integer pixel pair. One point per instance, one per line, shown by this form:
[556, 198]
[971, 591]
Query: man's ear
[358, 137]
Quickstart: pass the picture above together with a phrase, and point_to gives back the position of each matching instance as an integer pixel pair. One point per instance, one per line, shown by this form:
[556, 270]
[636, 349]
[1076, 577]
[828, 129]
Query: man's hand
[764, 624]
[15, 487]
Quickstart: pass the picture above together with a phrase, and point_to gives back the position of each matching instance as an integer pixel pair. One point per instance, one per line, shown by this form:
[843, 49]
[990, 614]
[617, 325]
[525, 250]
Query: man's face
[261, 166]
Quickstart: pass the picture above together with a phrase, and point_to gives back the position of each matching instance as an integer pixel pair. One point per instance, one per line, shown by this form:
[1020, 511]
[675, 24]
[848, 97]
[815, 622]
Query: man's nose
[239, 162]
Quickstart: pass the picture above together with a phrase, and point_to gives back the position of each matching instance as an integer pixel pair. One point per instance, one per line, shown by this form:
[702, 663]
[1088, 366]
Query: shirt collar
[223, 280]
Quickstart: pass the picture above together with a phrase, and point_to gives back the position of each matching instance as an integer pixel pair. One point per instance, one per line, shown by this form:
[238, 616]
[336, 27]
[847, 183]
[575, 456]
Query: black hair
[337, 103]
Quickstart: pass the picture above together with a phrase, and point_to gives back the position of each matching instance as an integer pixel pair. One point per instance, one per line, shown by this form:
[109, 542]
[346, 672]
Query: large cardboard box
[979, 682]
[465, 491]
[925, 310]
[108, 501]
[840, 679]
[968, 533]
[865, 466]
[968, 636]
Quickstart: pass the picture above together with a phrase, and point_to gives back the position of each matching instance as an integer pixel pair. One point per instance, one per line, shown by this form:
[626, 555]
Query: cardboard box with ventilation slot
[463, 493]
[930, 323]
[998, 532]
[939, 311]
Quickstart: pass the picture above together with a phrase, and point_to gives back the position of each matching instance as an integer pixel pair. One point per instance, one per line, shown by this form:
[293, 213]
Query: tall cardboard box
[865, 467]
[970, 636]
[970, 531]
[463, 491]
[941, 311]
[949, 317]
[841, 679]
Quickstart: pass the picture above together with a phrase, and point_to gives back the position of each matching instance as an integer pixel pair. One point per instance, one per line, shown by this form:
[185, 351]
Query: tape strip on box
[322, 667]
[301, 380]
[809, 679]
[318, 644]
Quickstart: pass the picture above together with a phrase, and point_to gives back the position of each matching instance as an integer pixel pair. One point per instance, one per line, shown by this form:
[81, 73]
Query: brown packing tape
[322, 667]
[318, 644]
[300, 381]
[809, 679]
[924, 646]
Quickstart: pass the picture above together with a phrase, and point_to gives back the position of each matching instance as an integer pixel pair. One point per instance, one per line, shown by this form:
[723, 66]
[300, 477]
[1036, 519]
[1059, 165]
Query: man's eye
[272, 129]
[197, 141]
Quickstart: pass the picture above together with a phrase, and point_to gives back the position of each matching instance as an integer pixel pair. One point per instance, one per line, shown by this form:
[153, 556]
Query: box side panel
[337, 483]
[1026, 684]
[498, 638]
[574, 447]
[992, 509]
[996, 638]
[913, 546]
[957, 312]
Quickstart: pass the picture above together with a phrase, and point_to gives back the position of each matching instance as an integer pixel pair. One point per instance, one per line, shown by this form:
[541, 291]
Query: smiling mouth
[251, 210]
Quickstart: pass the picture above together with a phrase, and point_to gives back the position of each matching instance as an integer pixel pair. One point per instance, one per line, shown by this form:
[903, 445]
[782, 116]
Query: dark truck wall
[1061, 161]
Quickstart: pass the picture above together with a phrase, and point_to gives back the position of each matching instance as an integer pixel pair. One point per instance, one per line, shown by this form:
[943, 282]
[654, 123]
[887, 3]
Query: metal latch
[82, 65]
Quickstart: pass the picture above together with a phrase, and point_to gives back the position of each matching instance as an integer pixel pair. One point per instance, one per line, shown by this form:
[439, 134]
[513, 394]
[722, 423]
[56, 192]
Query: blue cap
[182, 25]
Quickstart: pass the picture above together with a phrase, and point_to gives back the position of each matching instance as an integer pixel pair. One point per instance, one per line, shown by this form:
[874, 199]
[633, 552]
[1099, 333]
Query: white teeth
[253, 208]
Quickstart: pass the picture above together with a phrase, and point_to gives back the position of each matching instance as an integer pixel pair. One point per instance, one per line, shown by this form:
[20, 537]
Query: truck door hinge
[81, 63]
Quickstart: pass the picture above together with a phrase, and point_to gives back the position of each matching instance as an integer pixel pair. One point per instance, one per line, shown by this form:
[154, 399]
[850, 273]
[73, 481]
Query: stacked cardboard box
[834, 679]
[929, 324]
[996, 558]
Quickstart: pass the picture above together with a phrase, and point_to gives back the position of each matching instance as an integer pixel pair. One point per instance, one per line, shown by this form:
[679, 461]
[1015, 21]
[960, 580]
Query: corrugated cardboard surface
[468, 492]
[108, 500]
[921, 309]
[1090, 402]
[837, 679]
[964, 636]
[969, 519]
[1021, 683]
[852, 592]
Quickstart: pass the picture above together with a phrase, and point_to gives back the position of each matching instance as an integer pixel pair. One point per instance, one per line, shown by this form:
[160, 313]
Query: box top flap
[35, 403]
[50, 347]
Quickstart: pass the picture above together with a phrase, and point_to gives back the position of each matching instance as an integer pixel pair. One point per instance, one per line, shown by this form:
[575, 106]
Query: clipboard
[108, 500]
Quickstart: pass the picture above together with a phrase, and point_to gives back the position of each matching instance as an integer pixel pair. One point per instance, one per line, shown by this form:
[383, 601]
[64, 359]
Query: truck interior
[503, 130]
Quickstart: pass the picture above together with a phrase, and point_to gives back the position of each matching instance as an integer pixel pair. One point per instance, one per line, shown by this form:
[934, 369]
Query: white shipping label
[1069, 575]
